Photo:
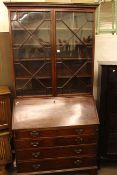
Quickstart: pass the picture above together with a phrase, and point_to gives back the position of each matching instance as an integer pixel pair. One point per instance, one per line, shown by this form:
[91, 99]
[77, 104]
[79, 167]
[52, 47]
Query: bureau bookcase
[55, 121]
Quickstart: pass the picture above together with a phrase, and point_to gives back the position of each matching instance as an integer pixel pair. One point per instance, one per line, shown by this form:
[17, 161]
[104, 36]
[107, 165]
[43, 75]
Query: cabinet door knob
[79, 130]
[34, 133]
[36, 155]
[36, 166]
[35, 143]
[78, 162]
[78, 151]
[79, 140]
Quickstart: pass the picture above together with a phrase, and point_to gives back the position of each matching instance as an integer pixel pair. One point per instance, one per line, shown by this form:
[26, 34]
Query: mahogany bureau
[55, 135]
[53, 55]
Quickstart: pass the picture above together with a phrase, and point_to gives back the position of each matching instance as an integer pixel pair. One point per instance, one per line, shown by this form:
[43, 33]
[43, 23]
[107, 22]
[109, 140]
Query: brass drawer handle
[79, 130]
[97, 129]
[78, 162]
[36, 155]
[35, 144]
[79, 140]
[34, 133]
[36, 166]
[78, 151]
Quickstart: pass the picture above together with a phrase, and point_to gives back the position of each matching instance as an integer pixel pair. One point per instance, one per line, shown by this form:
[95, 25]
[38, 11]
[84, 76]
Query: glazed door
[74, 51]
[53, 52]
[31, 33]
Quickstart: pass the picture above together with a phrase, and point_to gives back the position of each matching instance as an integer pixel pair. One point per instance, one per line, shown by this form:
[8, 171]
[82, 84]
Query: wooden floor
[109, 169]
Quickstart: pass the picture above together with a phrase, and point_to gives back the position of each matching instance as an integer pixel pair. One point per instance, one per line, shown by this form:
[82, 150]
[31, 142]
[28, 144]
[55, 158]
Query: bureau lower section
[56, 150]
[56, 164]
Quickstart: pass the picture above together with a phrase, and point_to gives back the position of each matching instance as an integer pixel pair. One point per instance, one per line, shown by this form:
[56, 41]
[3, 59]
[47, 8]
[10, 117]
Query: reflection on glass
[74, 43]
[32, 49]
[31, 35]
[74, 34]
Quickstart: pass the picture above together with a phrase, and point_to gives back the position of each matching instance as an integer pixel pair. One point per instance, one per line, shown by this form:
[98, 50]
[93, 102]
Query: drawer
[36, 133]
[55, 164]
[54, 152]
[57, 141]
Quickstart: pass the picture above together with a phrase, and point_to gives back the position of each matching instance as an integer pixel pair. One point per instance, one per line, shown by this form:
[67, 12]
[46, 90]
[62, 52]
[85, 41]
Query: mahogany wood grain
[54, 127]
[56, 141]
[55, 164]
[49, 4]
[53, 152]
[56, 132]
[54, 112]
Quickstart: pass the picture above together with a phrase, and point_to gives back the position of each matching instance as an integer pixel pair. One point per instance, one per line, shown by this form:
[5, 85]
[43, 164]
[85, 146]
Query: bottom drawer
[55, 164]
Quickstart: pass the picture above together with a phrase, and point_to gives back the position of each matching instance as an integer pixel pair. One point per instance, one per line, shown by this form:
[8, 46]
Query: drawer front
[52, 142]
[20, 134]
[56, 152]
[56, 164]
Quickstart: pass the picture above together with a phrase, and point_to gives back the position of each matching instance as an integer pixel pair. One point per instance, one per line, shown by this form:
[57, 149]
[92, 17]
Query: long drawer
[66, 151]
[52, 142]
[37, 133]
[55, 164]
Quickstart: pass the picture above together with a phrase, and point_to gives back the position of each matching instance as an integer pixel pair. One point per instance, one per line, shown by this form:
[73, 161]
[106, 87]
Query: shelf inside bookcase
[59, 77]
[54, 52]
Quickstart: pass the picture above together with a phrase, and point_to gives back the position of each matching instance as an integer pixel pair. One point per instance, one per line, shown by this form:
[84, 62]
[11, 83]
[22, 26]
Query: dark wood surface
[55, 134]
[53, 112]
[108, 113]
[52, 142]
[59, 163]
[50, 4]
[62, 151]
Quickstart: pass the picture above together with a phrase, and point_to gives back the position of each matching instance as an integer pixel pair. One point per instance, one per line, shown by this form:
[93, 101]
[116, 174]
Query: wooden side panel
[5, 112]
[6, 72]
[5, 151]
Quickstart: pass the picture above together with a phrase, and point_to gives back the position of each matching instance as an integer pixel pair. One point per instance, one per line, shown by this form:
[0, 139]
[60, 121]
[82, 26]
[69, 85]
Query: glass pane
[31, 35]
[73, 34]
[32, 52]
[74, 53]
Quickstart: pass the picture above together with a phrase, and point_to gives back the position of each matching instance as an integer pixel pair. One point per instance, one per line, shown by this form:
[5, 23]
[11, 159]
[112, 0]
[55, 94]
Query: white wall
[4, 27]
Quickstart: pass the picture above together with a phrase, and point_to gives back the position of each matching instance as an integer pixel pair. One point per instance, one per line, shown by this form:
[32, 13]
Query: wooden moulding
[4, 90]
[50, 4]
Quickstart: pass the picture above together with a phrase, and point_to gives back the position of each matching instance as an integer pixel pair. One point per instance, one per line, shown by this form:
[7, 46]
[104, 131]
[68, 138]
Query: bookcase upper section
[53, 48]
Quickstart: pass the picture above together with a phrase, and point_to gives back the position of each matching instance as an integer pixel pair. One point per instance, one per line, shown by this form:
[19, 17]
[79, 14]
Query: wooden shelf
[33, 29]
[32, 59]
[79, 44]
[58, 77]
[49, 59]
